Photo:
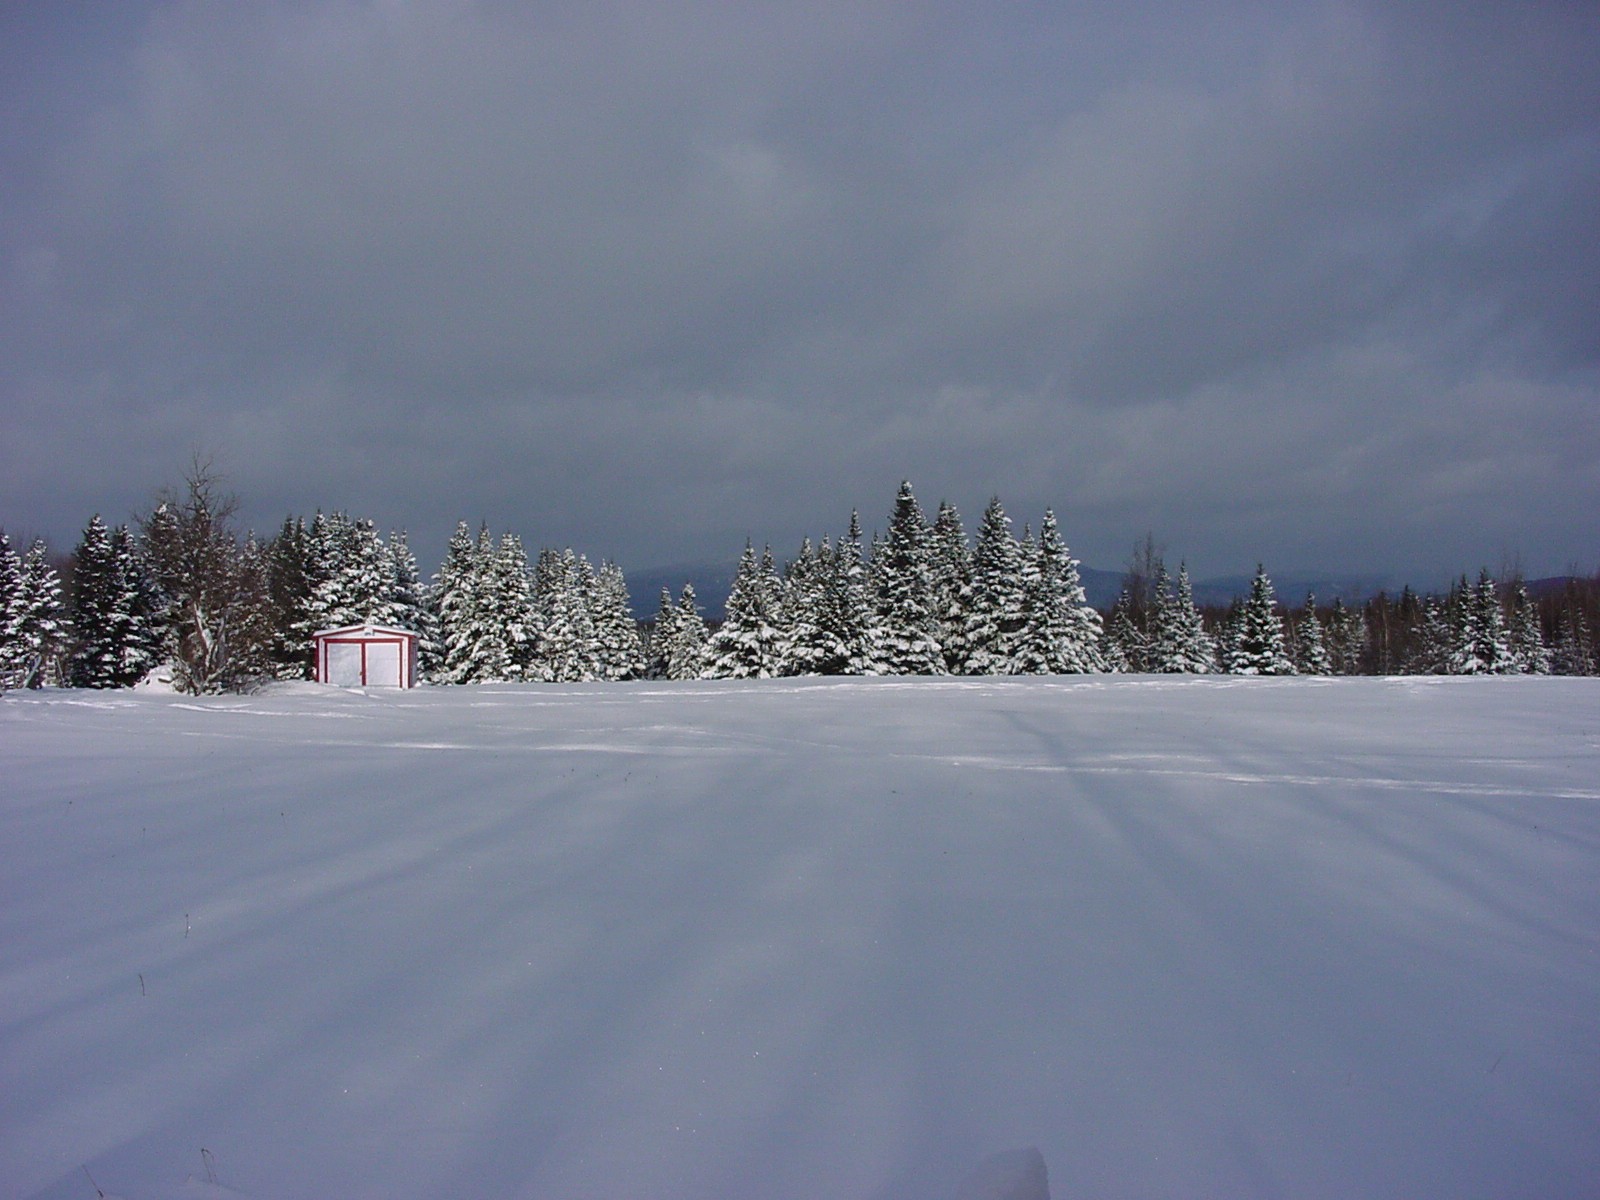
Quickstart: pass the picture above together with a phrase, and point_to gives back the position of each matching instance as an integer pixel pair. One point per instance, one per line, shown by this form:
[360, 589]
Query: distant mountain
[1291, 590]
[1554, 585]
[1100, 588]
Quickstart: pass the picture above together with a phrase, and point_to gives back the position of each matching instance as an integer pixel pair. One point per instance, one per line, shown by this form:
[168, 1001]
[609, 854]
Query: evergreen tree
[456, 606]
[289, 588]
[252, 636]
[409, 605]
[1257, 645]
[112, 611]
[11, 649]
[145, 634]
[356, 574]
[1228, 637]
[90, 608]
[95, 611]
[494, 644]
[1178, 643]
[804, 646]
[510, 630]
[1524, 636]
[950, 584]
[661, 632]
[1574, 649]
[1061, 633]
[1434, 638]
[848, 617]
[1162, 650]
[33, 632]
[686, 651]
[1311, 650]
[549, 578]
[568, 648]
[746, 646]
[907, 643]
[1347, 638]
[995, 618]
[1124, 646]
[1480, 646]
[616, 632]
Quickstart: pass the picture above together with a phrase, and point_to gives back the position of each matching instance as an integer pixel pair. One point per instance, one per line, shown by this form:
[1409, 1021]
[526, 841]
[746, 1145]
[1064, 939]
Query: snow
[825, 939]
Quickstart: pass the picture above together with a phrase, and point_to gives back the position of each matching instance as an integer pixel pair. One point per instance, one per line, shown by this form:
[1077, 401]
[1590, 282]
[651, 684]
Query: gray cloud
[1314, 284]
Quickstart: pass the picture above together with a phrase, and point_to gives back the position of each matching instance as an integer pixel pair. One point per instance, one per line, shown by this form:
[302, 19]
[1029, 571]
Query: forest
[182, 595]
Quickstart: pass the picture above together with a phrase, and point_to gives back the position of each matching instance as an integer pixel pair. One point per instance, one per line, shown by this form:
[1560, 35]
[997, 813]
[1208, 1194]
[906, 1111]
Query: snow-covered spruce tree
[950, 580]
[1256, 647]
[620, 654]
[252, 637]
[196, 562]
[357, 574]
[114, 611]
[508, 612]
[1434, 637]
[1573, 653]
[803, 645]
[746, 646]
[549, 576]
[1228, 634]
[11, 647]
[848, 616]
[1124, 646]
[1180, 643]
[1347, 638]
[1157, 600]
[33, 634]
[1481, 646]
[568, 651]
[686, 649]
[659, 637]
[483, 608]
[457, 606]
[908, 644]
[1524, 636]
[1061, 633]
[147, 631]
[1311, 648]
[92, 610]
[772, 598]
[289, 590]
[995, 618]
[408, 606]
[320, 561]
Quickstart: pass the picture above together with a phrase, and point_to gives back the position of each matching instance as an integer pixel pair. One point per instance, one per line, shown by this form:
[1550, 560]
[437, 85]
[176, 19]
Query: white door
[383, 664]
[344, 664]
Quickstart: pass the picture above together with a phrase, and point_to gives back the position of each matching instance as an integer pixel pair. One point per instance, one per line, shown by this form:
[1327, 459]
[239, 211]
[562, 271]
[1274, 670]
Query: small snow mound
[159, 680]
[1012, 1175]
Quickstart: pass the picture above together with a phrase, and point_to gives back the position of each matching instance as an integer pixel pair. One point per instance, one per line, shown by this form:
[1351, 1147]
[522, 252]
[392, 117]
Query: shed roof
[365, 630]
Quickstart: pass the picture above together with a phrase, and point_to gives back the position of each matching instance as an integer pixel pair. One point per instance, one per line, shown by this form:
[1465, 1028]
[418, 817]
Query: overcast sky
[1315, 284]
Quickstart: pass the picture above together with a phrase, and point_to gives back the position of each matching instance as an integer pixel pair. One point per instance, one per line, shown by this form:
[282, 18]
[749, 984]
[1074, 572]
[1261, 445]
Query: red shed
[366, 656]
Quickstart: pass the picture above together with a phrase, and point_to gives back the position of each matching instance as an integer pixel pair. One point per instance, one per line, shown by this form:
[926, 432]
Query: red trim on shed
[367, 636]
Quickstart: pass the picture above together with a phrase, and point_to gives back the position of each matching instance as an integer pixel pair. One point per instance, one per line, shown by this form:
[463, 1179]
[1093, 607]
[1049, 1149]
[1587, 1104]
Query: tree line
[186, 595]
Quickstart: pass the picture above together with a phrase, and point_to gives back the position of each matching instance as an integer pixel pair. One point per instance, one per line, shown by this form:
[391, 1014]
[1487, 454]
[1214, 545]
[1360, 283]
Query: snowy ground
[820, 939]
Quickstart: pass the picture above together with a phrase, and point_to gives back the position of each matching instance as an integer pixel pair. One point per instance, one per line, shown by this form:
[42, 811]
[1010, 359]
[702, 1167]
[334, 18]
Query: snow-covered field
[821, 939]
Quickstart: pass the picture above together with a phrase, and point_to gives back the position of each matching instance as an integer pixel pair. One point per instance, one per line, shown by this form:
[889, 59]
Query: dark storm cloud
[1313, 283]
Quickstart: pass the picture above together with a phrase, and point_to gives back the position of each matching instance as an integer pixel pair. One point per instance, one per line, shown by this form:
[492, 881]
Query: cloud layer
[1315, 284]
